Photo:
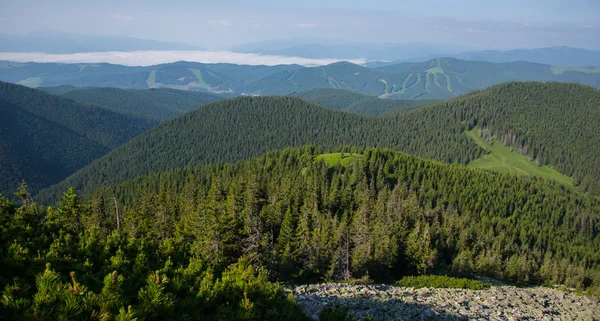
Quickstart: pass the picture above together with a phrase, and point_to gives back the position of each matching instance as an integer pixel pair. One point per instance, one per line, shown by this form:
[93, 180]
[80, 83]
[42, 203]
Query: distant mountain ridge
[158, 104]
[439, 78]
[344, 100]
[555, 56]
[379, 54]
[319, 49]
[66, 43]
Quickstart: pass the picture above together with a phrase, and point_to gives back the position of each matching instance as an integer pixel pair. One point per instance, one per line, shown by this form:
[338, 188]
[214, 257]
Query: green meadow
[506, 159]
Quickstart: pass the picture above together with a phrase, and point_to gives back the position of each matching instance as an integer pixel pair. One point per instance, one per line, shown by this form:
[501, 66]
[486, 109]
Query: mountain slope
[557, 128]
[383, 216]
[555, 56]
[439, 78]
[45, 138]
[345, 100]
[448, 76]
[104, 126]
[216, 78]
[341, 75]
[443, 217]
[247, 127]
[39, 151]
[157, 104]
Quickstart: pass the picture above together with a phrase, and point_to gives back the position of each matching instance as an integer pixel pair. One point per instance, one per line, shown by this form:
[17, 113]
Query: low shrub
[441, 281]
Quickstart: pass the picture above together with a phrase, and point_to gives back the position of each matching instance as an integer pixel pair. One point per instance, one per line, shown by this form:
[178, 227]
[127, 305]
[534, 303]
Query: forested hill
[345, 100]
[46, 138]
[39, 151]
[107, 127]
[402, 215]
[247, 127]
[157, 104]
[204, 243]
[553, 123]
[557, 128]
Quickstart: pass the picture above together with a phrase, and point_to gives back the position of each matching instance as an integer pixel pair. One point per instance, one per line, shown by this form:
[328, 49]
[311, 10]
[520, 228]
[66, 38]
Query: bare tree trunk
[112, 191]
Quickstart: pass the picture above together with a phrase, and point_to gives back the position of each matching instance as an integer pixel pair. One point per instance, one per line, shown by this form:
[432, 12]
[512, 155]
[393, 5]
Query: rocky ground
[384, 302]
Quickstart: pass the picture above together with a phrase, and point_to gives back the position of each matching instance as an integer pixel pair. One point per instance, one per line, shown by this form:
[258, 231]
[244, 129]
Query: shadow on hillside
[377, 308]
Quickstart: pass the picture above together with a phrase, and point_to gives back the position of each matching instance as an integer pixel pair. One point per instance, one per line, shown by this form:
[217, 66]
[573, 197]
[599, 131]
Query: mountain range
[439, 78]
[378, 54]
[245, 127]
[318, 48]
[66, 43]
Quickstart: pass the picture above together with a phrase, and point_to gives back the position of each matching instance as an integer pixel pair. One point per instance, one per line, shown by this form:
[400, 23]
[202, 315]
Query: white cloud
[305, 25]
[120, 17]
[220, 22]
[147, 58]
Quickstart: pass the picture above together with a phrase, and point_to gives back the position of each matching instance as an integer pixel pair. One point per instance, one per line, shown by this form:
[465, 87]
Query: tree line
[212, 241]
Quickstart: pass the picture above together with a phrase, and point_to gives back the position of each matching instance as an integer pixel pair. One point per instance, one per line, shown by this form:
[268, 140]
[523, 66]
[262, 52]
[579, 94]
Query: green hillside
[506, 159]
[58, 90]
[246, 127]
[45, 138]
[191, 239]
[157, 104]
[104, 126]
[344, 100]
[343, 159]
[39, 151]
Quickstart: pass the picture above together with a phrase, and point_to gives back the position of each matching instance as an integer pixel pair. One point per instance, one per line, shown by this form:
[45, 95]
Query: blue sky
[221, 24]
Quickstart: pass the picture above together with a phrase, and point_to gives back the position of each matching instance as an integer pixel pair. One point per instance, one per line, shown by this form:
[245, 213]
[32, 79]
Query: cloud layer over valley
[147, 58]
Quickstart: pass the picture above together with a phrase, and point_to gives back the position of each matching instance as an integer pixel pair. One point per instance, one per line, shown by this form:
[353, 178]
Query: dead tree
[114, 197]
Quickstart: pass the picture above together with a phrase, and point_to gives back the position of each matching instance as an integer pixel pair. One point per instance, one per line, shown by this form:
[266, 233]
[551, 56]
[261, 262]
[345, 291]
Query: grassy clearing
[344, 159]
[561, 70]
[199, 79]
[435, 70]
[151, 81]
[441, 281]
[32, 82]
[507, 160]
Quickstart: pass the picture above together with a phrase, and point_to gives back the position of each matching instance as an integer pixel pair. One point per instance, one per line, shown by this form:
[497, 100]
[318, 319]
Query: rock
[384, 302]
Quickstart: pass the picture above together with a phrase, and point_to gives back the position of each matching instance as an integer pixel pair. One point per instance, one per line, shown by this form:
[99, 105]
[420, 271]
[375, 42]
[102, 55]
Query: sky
[223, 24]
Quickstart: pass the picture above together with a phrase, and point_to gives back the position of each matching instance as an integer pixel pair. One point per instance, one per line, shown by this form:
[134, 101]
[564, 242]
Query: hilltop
[345, 100]
[158, 104]
[246, 127]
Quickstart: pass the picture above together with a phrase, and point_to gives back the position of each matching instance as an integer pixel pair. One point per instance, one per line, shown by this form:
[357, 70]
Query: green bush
[441, 281]
[335, 313]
